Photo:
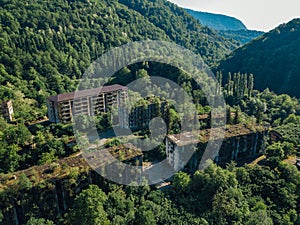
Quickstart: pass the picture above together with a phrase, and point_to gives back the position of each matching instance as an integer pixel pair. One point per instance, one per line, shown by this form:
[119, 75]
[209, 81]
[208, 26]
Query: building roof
[86, 93]
[216, 116]
[202, 136]
[121, 152]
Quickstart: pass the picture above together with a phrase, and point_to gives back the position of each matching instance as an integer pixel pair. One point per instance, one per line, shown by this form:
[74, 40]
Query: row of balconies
[96, 107]
[82, 105]
[80, 110]
[98, 101]
[65, 117]
[64, 108]
[97, 97]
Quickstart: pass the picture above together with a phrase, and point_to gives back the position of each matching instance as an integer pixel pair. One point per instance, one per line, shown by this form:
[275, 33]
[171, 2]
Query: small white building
[6, 109]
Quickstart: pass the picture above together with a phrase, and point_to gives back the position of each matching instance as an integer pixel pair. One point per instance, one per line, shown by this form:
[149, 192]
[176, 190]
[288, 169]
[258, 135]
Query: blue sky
[255, 14]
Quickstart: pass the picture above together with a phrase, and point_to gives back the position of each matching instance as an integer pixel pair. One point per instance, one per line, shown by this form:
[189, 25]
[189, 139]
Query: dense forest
[45, 48]
[66, 192]
[264, 194]
[226, 26]
[217, 21]
[242, 36]
[272, 58]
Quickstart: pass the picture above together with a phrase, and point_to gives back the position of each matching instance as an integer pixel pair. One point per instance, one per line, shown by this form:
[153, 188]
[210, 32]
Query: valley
[74, 156]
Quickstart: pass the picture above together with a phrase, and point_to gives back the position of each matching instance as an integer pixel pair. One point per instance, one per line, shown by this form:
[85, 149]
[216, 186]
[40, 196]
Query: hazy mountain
[242, 36]
[274, 59]
[217, 21]
[226, 26]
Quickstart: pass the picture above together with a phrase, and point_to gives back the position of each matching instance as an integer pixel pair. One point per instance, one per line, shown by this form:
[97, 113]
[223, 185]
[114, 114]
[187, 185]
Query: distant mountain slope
[217, 21]
[226, 26]
[46, 45]
[274, 59]
[242, 36]
[182, 28]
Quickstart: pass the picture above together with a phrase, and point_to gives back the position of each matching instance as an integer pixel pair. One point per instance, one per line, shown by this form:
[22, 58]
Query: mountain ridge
[61, 38]
[273, 58]
[226, 26]
[218, 21]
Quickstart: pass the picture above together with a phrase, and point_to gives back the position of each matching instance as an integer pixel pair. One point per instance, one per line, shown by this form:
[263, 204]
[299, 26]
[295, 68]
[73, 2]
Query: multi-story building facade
[121, 158]
[6, 110]
[143, 112]
[126, 153]
[241, 141]
[63, 107]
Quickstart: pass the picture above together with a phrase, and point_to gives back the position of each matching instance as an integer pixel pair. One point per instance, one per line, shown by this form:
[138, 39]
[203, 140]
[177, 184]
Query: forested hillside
[262, 195]
[226, 26]
[217, 21]
[274, 59]
[183, 28]
[47, 45]
[242, 36]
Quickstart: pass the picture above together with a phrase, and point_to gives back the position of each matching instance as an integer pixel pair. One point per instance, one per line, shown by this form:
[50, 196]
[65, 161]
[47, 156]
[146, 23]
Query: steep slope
[226, 26]
[46, 45]
[274, 59]
[217, 21]
[242, 36]
[182, 28]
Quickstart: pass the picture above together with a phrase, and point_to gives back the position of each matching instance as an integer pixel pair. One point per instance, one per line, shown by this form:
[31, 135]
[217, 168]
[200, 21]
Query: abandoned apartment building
[241, 141]
[91, 102]
[117, 158]
[6, 110]
[144, 111]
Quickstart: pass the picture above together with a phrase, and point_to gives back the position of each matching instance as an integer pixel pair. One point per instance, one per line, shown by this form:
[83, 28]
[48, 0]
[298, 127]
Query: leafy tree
[24, 183]
[292, 118]
[47, 157]
[259, 217]
[181, 182]
[1, 216]
[275, 150]
[142, 73]
[280, 150]
[40, 221]
[88, 207]
[84, 122]
[144, 216]
[118, 205]
[112, 142]
[19, 135]
[10, 159]
[230, 207]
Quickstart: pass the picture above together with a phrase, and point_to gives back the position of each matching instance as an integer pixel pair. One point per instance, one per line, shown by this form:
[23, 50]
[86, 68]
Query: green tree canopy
[88, 207]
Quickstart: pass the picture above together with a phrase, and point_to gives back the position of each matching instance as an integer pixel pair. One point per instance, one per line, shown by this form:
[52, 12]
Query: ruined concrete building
[62, 107]
[143, 112]
[91, 102]
[6, 110]
[241, 141]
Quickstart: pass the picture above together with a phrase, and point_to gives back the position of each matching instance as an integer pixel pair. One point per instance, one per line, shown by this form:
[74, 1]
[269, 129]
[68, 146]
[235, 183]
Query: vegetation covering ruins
[45, 48]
